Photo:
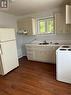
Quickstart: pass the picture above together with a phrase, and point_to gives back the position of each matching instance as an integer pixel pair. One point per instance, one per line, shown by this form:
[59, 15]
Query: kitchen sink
[43, 43]
[56, 43]
[48, 43]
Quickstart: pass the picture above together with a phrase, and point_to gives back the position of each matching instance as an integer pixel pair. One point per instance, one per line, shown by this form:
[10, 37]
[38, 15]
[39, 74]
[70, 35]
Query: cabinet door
[29, 52]
[27, 24]
[9, 56]
[68, 14]
[40, 54]
[59, 23]
[43, 54]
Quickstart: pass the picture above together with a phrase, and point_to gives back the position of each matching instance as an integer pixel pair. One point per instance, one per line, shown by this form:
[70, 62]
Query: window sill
[44, 33]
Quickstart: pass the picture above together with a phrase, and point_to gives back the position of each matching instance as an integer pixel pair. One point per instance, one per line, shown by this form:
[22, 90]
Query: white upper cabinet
[60, 25]
[68, 14]
[27, 26]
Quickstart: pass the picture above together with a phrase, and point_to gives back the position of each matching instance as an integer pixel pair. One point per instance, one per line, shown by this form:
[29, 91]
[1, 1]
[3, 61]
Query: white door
[7, 34]
[9, 56]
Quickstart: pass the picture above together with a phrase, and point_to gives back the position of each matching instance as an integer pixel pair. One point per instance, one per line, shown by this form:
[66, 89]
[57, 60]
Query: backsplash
[61, 38]
[23, 39]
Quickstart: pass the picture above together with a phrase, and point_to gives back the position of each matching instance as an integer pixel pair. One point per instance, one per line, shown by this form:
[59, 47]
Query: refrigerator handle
[1, 51]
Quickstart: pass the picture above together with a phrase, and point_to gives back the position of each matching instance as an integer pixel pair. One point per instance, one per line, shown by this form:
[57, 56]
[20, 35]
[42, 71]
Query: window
[42, 26]
[46, 25]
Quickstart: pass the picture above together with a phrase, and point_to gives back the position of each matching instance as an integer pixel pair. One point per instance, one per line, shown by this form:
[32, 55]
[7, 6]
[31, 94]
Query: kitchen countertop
[37, 44]
[47, 43]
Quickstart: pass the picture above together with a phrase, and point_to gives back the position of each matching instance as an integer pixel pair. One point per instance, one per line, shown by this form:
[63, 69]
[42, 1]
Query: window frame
[45, 19]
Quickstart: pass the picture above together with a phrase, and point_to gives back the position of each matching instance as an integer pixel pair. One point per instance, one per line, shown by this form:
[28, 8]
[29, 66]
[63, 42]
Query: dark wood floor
[33, 78]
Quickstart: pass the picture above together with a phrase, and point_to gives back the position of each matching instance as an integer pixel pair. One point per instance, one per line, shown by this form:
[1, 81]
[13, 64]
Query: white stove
[63, 64]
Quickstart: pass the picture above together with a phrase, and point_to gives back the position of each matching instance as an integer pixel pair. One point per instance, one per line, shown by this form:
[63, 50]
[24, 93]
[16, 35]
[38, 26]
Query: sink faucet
[45, 41]
[50, 42]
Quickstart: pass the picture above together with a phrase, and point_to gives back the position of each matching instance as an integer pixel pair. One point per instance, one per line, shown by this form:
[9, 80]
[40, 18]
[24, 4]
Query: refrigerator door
[9, 59]
[7, 34]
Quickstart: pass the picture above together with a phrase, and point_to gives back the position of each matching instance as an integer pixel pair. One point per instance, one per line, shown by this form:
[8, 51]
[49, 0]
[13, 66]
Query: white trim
[45, 17]
[38, 31]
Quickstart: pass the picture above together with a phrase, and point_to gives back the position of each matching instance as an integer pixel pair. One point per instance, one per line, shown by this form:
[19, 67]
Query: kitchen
[62, 35]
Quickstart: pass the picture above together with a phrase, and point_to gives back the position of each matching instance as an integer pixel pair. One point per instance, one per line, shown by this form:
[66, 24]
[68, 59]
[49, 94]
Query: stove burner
[62, 49]
[65, 46]
[56, 43]
[69, 49]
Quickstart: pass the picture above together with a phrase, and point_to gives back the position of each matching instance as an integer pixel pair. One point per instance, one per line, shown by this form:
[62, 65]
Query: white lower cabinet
[41, 53]
[53, 53]
[29, 50]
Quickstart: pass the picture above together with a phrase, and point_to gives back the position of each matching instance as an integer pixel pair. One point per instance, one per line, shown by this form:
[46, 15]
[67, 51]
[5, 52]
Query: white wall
[62, 38]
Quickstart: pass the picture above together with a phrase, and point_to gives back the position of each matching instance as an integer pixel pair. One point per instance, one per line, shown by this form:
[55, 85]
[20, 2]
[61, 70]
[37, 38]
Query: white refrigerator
[8, 50]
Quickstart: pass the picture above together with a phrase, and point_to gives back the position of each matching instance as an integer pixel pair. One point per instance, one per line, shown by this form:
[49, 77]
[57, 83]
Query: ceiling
[24, 7]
